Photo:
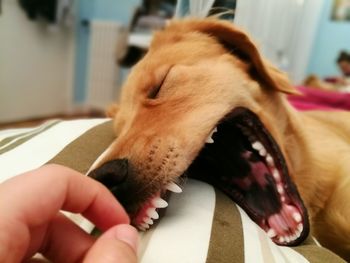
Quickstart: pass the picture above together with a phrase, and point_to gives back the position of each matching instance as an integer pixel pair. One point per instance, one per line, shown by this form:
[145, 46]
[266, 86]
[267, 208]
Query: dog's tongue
[258, 186]
[258, 173]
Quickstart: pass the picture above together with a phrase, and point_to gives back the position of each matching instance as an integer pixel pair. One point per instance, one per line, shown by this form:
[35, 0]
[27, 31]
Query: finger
[64, 241]
[118, 244]
[47, 190]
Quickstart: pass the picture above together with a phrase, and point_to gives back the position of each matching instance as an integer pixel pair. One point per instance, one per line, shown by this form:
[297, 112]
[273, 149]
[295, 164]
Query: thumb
[117, 244]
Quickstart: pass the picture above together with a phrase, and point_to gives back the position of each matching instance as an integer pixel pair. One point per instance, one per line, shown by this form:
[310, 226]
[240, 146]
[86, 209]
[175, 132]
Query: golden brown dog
[204, 102]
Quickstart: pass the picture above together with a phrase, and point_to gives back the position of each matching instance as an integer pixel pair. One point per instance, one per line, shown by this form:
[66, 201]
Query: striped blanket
[200, 225]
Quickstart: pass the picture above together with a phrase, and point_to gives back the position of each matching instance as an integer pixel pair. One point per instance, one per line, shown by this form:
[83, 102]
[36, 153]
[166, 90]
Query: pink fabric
[317, 99]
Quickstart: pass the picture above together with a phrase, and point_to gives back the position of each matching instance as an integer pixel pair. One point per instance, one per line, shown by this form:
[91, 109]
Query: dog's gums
[242, 159]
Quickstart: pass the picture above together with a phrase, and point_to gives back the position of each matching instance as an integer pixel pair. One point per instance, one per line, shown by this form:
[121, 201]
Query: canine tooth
[269, 160]
[281, 239]
[257, 146]
[287, 239]
[159, 202]
[297, 217]
[210, 139]
[174, 188]
[152, 213]
[148, 220]
[271, 233]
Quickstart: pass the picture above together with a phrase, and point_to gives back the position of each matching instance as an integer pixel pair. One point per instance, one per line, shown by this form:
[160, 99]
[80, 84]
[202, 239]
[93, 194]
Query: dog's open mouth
[242, 159]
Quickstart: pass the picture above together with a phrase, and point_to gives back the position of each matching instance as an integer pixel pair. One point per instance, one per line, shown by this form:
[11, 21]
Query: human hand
[30, 220]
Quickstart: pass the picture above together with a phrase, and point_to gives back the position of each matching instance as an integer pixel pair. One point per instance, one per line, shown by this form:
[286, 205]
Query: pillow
[200, 225]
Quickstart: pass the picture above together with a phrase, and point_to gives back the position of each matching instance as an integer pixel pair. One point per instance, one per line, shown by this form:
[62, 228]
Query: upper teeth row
[210, 137]
[157, 202]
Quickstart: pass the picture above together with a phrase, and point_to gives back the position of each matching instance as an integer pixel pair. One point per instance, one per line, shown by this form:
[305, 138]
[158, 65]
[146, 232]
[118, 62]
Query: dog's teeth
[174, 188]
[280, 189]
[159, 202]
[209, 140]
[263, 152]
[300, 228]
[297, 233]
[281, 239]
[271, 233]
[152, 213]
[287, 239]
[148, 220]
[257, 146]
[141, 228]
[297, 217]
[210, 137]
[269, 160]
[276, 175]
[144, 225]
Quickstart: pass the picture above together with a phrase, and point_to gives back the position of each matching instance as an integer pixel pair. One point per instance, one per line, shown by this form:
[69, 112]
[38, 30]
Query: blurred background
[69, 58]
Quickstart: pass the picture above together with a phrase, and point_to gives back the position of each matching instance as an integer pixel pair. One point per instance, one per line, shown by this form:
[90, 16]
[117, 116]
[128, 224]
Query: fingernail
[127, 234]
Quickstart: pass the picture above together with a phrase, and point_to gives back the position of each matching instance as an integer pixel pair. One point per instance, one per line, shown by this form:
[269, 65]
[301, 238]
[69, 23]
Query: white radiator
[108, 41]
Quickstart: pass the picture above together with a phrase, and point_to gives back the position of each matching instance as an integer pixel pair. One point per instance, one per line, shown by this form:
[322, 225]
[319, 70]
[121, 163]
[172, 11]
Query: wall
[331, 37]
[285, 39]
[35, 66]
[88, 10]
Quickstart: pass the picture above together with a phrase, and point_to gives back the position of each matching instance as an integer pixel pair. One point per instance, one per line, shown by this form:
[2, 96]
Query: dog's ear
[112, 110]
[242, 46]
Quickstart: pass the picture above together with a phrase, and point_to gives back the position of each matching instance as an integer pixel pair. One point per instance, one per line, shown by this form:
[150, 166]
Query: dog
[204, 103]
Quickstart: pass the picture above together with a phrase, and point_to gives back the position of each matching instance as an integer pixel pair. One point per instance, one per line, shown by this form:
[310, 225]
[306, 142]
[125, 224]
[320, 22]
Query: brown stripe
[316, 254]
[226, 241]
[83, 151]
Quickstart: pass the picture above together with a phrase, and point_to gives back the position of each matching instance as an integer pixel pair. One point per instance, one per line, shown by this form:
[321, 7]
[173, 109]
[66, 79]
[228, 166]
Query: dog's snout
[111, 173]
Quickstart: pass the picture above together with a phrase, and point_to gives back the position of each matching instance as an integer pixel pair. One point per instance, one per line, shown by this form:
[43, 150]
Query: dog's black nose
[112, 173]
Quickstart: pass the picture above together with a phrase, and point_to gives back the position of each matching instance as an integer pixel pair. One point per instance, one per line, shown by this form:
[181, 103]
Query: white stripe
[34, 131]
[292, 255]
[252, 247]
[316, 241]
[183, 234]
[12, 132]
[281, 252]
[43, 147]
[276, 252]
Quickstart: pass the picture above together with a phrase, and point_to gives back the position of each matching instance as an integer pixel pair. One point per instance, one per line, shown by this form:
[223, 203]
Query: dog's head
[204, 102]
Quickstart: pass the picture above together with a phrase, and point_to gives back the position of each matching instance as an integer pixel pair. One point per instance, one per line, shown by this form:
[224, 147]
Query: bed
[200, 225]
[318, 99]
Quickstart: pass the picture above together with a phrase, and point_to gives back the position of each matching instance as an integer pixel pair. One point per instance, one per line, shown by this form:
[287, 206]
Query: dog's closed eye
[153, 93]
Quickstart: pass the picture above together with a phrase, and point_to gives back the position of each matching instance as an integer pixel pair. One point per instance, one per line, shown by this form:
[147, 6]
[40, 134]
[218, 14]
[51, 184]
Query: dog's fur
[211, 67]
